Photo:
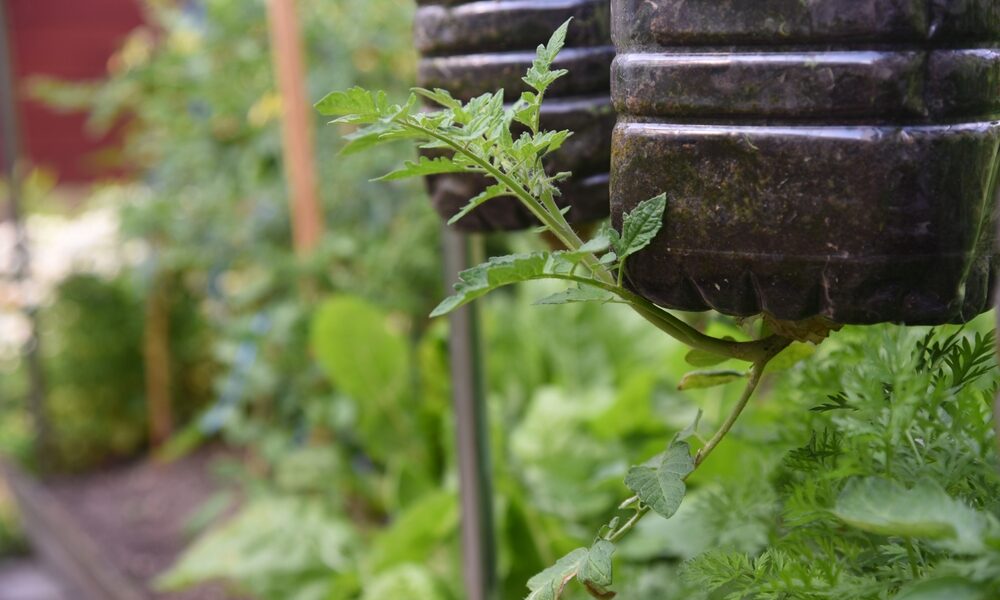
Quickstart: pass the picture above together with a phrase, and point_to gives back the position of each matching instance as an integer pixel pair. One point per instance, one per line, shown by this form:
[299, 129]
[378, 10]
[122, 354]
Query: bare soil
[140, 515]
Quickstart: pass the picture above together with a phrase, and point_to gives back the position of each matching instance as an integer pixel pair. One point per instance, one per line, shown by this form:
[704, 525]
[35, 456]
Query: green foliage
[93, 358]
[277, 547]
[93, 349]
[888, 491]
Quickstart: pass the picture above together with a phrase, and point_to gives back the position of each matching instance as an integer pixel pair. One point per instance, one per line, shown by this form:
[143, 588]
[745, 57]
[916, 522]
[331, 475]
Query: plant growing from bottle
[479, 136]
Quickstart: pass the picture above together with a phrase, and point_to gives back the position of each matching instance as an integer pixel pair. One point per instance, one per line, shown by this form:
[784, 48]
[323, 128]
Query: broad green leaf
[506, 270]
[702, 358]
[577, 294]
[369, 362]
[696, 380]
[550, 583]
[596, 572]
[662, 487]
[944, 588]
[359, 352]
[640, 226]
[925, 511]
[494, 191]
[425, 166]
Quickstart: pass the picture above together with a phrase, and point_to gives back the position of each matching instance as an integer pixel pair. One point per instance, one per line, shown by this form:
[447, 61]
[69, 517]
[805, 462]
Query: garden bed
[111, 533]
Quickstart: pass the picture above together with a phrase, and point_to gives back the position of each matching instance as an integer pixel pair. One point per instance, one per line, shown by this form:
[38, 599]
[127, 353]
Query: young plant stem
[756, 373]
[548, 214]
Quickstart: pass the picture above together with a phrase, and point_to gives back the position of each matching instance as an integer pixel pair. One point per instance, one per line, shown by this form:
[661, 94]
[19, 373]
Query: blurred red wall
[70, 39]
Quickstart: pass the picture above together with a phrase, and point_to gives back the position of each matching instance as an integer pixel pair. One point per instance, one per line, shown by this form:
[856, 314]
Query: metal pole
[473, 437]
[22, 255]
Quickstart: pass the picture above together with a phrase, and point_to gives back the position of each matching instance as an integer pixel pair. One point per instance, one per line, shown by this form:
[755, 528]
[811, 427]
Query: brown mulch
[140, 514]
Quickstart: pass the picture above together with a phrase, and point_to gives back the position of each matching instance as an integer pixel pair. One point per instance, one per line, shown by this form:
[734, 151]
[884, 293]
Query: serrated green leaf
[662, 487]
[576, 295]
[506, 270]
[597, 244]
[702, 358]
[550, 583]
[640, 226]
[596, 572]
[697, 380]
[494, 191]
[438, 96]
[925, 511]
[540, 76]
[425, 166]
[356, 103]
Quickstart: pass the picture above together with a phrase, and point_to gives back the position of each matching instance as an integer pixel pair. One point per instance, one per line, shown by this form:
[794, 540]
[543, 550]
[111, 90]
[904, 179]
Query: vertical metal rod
[473, 436]
[22, 255]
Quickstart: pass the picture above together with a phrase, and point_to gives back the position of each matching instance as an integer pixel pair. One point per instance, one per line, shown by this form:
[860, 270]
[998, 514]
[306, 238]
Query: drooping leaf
[550, 583]
[696, 380]
[494, 191]
[439, 96]
[925, 511]
[596, 572]
[662, 487]
[790, 356]
[426, 166]
[702, 358]
[640, 226]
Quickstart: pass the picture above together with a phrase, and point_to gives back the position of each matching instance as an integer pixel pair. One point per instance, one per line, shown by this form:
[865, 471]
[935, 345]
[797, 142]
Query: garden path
[27, 579]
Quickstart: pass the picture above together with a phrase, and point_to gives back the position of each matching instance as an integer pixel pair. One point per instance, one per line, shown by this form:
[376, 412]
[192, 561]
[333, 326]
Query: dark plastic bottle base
[834, 158]
[858, 224]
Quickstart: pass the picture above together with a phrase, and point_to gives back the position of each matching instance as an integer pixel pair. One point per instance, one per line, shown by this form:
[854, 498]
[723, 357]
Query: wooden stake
[297, 126]
[156, 352]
